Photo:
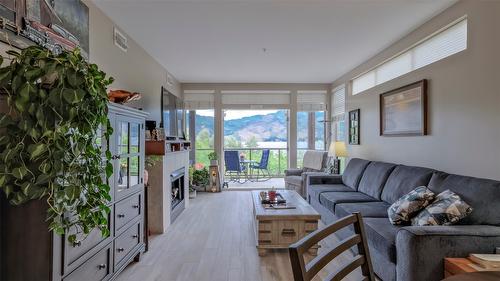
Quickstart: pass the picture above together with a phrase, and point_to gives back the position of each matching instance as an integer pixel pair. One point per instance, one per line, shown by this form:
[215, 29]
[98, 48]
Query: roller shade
[338, 103]
[311, 100]
[255, 99]
[195, 101]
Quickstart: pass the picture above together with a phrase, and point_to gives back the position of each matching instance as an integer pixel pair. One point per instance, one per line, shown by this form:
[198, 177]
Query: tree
[252, 142]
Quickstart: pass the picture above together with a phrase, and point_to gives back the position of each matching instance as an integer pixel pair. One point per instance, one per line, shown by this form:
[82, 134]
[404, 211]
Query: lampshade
[337, 149]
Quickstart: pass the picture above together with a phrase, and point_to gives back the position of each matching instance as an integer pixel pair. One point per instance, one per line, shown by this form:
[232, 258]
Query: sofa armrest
[325, 178]
[421, 249]
[293, 172]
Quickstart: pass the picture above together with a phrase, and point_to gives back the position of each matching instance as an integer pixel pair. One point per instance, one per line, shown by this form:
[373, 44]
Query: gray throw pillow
[447, 209]
[409, 205]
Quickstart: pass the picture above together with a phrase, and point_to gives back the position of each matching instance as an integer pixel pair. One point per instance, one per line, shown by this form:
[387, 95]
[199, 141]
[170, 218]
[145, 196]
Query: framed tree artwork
[354, 126]
[403, 111]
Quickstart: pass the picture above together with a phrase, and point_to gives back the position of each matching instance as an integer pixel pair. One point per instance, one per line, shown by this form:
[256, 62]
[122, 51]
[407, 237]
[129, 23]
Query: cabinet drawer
[127, 210]
[288, 232]
[127, 241]
[97, 268]
[82, 245]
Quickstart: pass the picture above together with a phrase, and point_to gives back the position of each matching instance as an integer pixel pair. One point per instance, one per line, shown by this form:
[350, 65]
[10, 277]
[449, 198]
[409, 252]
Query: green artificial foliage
[212, 156]
[201, 177]
[49, 141]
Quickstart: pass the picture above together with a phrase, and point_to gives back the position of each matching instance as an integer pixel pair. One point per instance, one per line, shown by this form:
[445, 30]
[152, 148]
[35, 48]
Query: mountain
[270, 127]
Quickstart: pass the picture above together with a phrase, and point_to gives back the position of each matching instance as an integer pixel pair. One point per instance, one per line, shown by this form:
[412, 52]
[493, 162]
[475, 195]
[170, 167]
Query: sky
[236, 114]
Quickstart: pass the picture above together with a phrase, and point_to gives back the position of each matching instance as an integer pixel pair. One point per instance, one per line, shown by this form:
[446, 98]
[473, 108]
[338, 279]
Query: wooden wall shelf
[163, 147]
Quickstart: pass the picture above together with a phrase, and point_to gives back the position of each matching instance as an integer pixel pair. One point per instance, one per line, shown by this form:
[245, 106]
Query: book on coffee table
[490, 261]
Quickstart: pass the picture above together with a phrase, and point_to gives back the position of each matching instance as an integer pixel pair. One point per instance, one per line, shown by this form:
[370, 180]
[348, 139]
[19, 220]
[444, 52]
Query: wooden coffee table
[277, 229]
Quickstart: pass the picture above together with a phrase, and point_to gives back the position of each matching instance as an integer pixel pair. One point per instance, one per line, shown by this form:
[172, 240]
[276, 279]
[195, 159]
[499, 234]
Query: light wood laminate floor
[213, 240]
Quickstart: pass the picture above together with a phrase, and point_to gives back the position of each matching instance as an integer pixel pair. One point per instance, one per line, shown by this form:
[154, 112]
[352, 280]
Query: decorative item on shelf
[122, 96]
[354, 126]
[403, 111]
[215, 185]
[212, 156]
[337, 149]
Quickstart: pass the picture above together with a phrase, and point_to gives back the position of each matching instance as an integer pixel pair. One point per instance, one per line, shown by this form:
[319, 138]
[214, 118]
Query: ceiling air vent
[120, 39]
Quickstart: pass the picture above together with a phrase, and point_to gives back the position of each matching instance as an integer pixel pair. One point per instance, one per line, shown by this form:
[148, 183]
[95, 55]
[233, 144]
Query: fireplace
[177, 183]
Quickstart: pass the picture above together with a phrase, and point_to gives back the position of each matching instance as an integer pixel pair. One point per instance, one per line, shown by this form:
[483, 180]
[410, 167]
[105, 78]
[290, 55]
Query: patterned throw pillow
[409, 205]
[448, 208]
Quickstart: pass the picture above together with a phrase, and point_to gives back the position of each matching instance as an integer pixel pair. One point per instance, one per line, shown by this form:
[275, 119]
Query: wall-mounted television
[172, 114]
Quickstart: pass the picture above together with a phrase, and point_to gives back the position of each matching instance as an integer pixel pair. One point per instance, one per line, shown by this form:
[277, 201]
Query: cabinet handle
[288, 231]
[120, 249]
[114, 157]
[121, 215]
[135, 206]
[135, 236]
[77, 243]
[101, 266]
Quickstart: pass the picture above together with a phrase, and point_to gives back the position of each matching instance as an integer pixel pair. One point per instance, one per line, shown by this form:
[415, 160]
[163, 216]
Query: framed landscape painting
[403, 111]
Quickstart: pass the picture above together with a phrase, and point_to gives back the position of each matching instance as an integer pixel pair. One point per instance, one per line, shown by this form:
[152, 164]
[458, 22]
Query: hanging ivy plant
[48, 141]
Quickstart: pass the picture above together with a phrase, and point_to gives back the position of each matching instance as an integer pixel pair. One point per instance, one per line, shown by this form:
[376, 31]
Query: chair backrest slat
[306, 272]
[348, 268]
[321, 261]
[313, 238]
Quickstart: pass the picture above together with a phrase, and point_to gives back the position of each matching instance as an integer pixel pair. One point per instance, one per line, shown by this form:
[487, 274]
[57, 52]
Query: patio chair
[261, 168]
[234, 169]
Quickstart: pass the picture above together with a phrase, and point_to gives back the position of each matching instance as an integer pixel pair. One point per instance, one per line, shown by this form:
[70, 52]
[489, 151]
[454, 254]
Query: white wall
[464, 100]
[134, 71]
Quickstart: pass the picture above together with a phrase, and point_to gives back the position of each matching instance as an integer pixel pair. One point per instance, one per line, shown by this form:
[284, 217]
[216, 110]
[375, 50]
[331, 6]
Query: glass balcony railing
[278, 158]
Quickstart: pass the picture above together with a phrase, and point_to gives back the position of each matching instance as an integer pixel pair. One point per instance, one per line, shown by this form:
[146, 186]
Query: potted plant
[57, 104]
[200, 178]
[212, 156]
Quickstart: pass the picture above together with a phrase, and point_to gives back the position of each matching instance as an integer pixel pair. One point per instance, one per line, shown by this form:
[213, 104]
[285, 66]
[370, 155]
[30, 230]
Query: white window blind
[338, 103]
[396, 67]
[311, 100]
[363, 82]
[444, 43]
[255, 100]
[196, 101]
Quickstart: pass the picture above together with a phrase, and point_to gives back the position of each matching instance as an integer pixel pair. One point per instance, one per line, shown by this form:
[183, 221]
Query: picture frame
[403, 111]
[354, 127]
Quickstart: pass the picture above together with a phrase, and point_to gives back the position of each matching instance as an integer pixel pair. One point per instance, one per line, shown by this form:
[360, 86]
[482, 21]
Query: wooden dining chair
[306, 272]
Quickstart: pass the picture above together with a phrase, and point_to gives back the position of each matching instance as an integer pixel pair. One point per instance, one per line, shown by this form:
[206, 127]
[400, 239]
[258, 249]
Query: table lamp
[337, 149]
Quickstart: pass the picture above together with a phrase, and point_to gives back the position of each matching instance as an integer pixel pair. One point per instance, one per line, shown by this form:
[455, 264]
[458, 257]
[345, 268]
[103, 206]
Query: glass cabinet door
[129, 156]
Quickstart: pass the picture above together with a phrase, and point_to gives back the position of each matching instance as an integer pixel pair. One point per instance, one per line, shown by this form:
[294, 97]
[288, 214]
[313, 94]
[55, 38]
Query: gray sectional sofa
[408, 253]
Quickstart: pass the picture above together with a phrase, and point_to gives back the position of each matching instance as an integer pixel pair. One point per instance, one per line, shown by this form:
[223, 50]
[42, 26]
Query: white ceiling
[305, 41]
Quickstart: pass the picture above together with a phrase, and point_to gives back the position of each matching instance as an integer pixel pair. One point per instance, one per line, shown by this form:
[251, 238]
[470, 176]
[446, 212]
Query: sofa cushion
[447, 209]
[381, 236]
[374, 178]
[403, 210]
[294, 180]
[316, 189]
[329, 199]
[481, 194]
[402, 180]
[367, 209]
[353, 172]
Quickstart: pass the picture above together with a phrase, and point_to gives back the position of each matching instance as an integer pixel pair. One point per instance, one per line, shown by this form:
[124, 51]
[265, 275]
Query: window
[338, 113]
[450, 40]
[204, 135]
[310, 133]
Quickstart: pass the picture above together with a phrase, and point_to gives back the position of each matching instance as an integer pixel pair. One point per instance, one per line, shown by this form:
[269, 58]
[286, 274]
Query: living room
[249, 140]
